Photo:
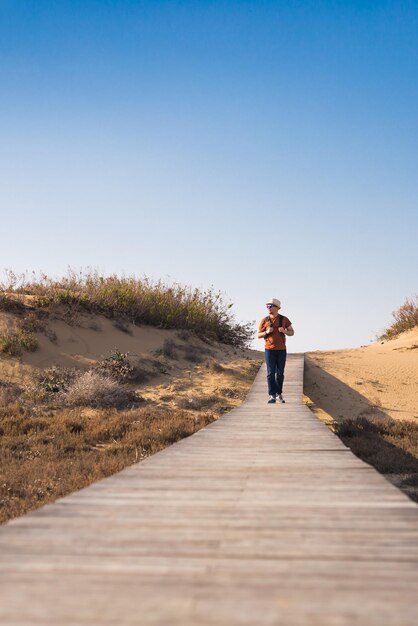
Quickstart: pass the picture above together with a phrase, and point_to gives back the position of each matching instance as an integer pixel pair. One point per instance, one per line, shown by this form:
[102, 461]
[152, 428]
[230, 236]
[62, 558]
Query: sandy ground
[184, 375]
[380, 379]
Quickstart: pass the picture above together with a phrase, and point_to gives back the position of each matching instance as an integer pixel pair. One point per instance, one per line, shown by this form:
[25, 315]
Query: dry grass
[406, 318]
[390, 446]
[65, 428]
[57, 434]
[97, 390]
[133, 300]
[118, 366]
[14, 343]
[48, 456]
[20, 336]
[214, 366]
[197, 402]
[11, 305]
[57, 387]
[9, 393]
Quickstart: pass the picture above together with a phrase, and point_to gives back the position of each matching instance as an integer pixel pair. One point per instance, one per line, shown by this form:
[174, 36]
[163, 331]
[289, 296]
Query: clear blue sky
[265, 148]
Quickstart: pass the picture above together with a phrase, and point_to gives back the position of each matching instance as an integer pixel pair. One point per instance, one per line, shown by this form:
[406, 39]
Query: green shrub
[55, 379]
[117, 366]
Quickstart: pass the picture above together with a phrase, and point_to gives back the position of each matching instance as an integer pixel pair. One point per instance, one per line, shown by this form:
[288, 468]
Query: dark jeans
[275, 361]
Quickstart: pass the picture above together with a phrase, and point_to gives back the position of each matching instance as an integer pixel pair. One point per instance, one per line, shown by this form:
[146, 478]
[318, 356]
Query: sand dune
[379, 379]
[168, 378]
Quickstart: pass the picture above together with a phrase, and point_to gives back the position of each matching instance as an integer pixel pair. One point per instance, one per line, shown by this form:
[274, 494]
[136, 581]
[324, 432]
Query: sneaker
[281, 399]
[272, 400]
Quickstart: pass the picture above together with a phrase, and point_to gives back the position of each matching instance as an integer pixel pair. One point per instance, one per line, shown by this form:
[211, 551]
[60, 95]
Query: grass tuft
[406, 318]
[15, 342]
[97, 390]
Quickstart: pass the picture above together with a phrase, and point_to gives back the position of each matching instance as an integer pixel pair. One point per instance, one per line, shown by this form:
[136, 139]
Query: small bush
[117, 366]
[96, 390]
[14, 342]
[406, 318]
[55, 379]
[28, 341]
[42, 302]
[9, 344]
[33, 323]
[48, 385]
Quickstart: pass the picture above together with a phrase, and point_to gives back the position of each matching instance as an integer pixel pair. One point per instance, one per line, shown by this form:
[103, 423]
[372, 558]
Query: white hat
[276, 302]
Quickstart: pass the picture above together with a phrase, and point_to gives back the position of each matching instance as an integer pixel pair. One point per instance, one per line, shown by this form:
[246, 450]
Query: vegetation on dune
[405, 318]
[67, 428]
[391, 446]
[104, 385]
[64, 428]
[137, 300]
[14, 343]
[46, 456]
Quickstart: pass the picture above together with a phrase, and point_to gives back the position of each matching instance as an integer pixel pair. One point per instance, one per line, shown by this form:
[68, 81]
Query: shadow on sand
[389, 445]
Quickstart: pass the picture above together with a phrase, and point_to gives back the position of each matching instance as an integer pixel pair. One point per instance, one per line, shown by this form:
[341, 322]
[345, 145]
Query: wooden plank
[263, 517]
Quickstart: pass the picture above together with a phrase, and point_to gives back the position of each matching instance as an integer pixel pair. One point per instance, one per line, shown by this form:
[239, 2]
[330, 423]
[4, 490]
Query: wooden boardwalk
[262, 518]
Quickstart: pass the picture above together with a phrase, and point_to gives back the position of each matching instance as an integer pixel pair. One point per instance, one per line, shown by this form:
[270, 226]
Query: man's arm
[289, 331]
[263, 332]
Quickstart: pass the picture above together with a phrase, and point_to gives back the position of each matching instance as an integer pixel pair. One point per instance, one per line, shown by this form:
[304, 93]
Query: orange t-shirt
[275, 340]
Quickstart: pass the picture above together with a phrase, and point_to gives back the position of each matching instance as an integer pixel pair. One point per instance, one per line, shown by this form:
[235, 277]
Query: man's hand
[269, 330]
[282, 330]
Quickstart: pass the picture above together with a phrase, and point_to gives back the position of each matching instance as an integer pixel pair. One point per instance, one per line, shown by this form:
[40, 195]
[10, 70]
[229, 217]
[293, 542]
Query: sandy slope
[94, 337]
[379, 379]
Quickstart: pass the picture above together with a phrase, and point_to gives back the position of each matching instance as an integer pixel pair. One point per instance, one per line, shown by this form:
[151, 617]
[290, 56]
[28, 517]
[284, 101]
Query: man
[273, 329]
